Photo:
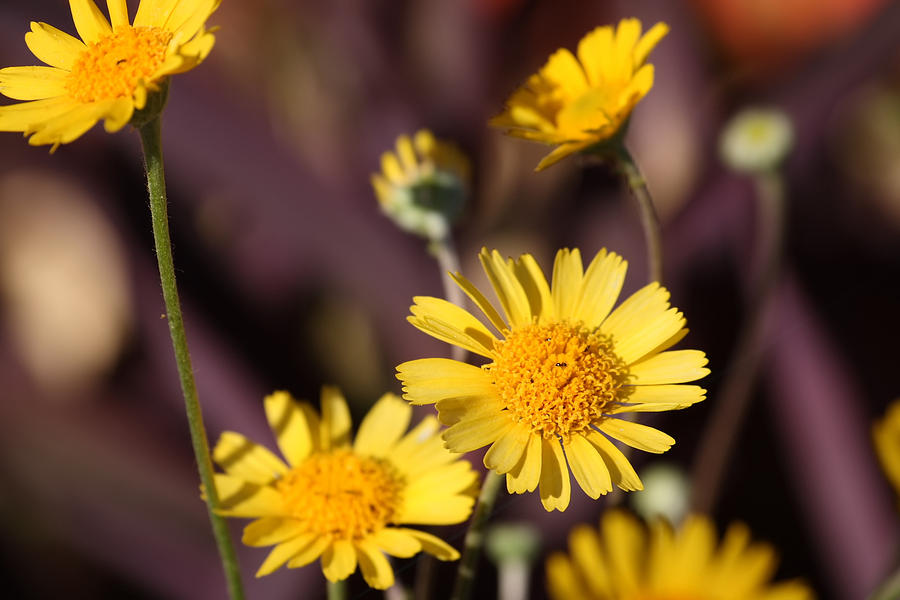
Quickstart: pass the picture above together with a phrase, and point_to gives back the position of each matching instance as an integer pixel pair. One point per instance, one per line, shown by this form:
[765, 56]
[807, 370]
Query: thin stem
[468, 564]
[156, 185]
[337, 590]
[723, 429]
[889, 588]
[649, 220]
[444, 251]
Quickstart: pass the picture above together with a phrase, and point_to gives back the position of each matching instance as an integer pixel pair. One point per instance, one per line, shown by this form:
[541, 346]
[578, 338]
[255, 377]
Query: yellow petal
[675, 366]
[452, 324]
[187, 22]
[241, 498]
[627, 34]
[89, 21]
[374, 565]
[339, 560]
[396, 542]
[636, 435]
[587, 553]
[648, 42]
[624, 540]
[508, 289]
[118, 115]
[154, 13]
[504, 454]
[383, 426]
[564, 71]
[621, 471]
[526, 475]
[566, 281]
[595, 51]
[453, 410]
[424, 510]
[433, 545]
[480, 301]
[295, 424]
[23, 116]
[563, 581]
[32, 83]
[555, 486]
[588, 467]
[70, 125]
[563, 151]
[269, 531]
[118, 12]
[446, 480]
[536, 287]
[310, 552]
[600, 288]
[284, 552]
[420, 450]
[52, 46]
[642, 338]
[429, 380]
[656, 398]
[391, 168]
[472, 434]
[406, 153]
[335, 419]
[242, 458]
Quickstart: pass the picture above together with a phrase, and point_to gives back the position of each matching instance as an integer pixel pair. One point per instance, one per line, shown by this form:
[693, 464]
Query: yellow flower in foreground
[562, 371]
[886, 435]
[423, 186]
[625, 562]
[342, 501]
[577, 103]
[108, 73]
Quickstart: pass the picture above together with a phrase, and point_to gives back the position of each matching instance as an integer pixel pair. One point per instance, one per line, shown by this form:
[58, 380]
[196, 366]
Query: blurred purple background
[292, 278]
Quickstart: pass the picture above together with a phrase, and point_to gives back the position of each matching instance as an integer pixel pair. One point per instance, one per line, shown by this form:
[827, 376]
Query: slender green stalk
[468, 564]
[337, 590]
[649, 220]
[156, 185]
[889, 588]
[723, 428]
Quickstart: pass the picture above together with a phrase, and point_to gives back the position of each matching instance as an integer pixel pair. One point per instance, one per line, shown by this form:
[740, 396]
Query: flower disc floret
[557, 379]
[114, 66]
[342, 494]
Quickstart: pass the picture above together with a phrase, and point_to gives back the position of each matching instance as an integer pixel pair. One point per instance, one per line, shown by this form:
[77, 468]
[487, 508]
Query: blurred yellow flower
[886, 435]
[565, 366]
[342, 501]
[626, 562]
[578, 103]
[424, 185]
[108, 73]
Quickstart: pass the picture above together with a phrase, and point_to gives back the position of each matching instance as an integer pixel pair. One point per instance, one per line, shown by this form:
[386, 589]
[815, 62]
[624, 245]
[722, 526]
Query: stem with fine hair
[444, 252]
[468, 564]
[156, 185]
[723, 428]
[649, 220]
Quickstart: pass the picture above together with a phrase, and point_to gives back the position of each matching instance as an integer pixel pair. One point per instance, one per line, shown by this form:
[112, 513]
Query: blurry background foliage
[291, 277]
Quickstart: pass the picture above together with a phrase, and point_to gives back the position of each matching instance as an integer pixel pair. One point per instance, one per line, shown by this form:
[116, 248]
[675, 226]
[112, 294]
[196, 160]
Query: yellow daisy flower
[886, 435]
[422, 186]
[341, 501]
[563, 370]
[575, 103]
[108, 73]
[626, 562]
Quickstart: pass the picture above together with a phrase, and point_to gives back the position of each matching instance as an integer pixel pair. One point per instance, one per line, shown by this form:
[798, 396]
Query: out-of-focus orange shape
[768, 34]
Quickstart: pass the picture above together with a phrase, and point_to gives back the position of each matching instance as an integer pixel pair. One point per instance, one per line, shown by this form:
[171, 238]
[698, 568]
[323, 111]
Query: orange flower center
[113, 66]
[342, 494]
[556, 378]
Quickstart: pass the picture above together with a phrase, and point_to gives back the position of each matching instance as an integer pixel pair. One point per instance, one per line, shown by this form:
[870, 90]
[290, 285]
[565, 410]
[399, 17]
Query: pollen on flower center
[113, 66]
[342, 494]
[556, 378]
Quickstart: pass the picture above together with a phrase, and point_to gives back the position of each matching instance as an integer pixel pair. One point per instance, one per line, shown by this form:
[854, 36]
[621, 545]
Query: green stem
[468, 564]
[336, 590]
[156, 185]
[649, 220]
[889, 589]
[723, 428]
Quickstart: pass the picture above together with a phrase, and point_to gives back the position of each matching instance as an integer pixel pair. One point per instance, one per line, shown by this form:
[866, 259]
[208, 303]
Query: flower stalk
[156, 185]
[649, 219]
[444, 251]
[474, 542]
[336, 590]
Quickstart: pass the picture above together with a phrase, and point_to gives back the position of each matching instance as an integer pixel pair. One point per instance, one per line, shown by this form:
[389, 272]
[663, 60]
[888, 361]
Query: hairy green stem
[649, 220]
[468, 564]
[156, 185]
[723, 428]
